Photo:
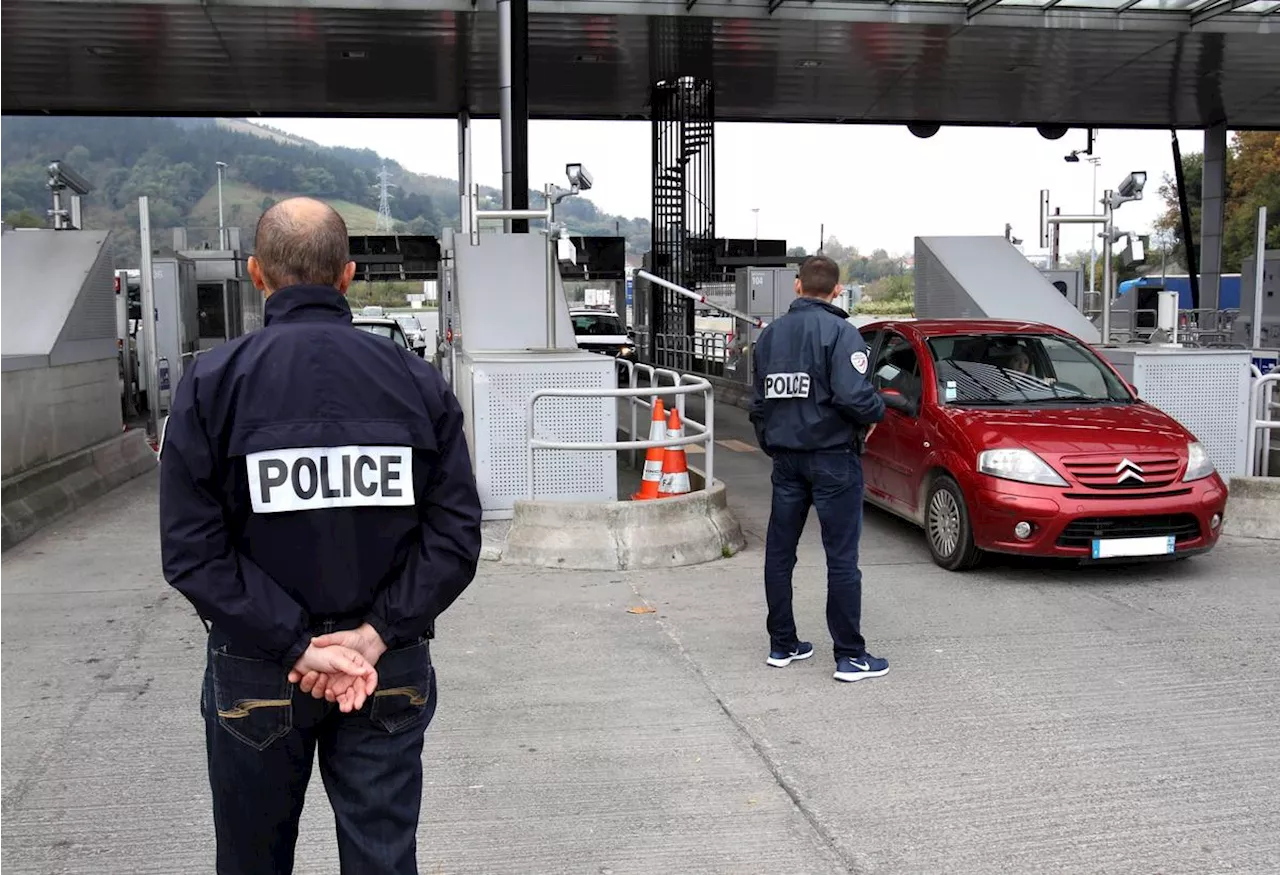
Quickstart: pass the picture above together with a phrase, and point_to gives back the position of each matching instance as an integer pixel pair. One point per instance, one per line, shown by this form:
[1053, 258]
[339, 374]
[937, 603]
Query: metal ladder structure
[683, 223]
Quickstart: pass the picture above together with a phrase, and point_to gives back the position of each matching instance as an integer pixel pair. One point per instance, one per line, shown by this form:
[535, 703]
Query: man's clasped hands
[340, 667]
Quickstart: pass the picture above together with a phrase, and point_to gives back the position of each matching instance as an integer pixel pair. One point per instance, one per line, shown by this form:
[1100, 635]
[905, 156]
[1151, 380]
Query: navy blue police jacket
[811, 388]
[311, 471]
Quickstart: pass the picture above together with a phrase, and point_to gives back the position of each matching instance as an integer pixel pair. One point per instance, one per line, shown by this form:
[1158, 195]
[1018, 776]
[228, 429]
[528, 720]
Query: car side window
[897, 367]
[869, 336]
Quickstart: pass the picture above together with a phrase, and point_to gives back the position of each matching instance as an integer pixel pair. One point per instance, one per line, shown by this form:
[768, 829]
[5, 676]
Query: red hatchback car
[1019, 438]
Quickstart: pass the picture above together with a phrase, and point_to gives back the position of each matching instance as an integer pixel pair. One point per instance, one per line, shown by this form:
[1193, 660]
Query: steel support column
[520, 111]
[513, 106]
[1212, 211]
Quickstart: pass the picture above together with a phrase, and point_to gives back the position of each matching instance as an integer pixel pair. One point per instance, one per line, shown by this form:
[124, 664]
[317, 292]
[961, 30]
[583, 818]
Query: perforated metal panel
[1204, 389]
[500, 387]
[94, 315]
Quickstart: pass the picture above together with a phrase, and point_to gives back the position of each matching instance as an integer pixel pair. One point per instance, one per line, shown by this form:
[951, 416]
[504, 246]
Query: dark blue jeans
[262, 735]
[831, 482]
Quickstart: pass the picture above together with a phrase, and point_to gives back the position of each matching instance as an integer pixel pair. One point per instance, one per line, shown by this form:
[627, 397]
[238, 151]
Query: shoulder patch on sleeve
[859, 361]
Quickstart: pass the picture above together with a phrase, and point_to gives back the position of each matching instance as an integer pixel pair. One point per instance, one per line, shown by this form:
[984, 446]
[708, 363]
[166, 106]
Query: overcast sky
[874, 187]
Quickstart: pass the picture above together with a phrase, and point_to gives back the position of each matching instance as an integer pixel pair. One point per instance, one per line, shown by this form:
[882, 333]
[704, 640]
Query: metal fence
[1199, 327]
[636, 396]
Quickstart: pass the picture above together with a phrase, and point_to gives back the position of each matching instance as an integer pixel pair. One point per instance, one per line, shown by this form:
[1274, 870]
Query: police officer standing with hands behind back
[318, 508]
[812, 409]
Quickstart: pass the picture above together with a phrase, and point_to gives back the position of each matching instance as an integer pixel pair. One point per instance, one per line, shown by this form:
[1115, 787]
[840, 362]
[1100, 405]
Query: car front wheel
[947, 527]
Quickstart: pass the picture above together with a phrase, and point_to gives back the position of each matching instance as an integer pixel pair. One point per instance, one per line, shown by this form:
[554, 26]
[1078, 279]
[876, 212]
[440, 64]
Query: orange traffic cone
[675, 466]
[653, 458]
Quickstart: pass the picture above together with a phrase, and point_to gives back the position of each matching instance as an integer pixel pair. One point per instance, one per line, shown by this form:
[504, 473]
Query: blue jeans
[262, 734]
[831, 482]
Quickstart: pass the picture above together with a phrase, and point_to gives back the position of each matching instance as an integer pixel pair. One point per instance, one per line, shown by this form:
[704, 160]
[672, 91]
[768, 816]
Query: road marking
[737, 446]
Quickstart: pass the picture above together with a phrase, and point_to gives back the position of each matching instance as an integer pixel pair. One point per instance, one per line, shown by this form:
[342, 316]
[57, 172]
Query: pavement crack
[16, 794]
[826, 839]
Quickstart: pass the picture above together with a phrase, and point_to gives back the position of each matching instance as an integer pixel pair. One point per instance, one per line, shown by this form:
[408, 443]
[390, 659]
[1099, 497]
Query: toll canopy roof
[1132, 63]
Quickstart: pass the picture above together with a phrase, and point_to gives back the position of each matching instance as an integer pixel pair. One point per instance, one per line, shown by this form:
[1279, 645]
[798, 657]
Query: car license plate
[1112, 548]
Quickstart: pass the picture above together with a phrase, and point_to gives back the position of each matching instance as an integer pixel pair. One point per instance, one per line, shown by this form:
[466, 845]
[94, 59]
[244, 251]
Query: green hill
[174, 163]
[242, 203]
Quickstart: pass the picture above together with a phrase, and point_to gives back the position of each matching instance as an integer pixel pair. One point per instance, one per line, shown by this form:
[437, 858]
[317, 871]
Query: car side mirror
[895, 400]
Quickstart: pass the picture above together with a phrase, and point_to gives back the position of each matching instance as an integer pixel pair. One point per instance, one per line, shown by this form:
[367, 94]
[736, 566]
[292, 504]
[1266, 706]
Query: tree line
[1253, 181]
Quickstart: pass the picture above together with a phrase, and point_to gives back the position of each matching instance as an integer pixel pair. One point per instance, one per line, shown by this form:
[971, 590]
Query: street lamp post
[1093, 241]
[222, 234]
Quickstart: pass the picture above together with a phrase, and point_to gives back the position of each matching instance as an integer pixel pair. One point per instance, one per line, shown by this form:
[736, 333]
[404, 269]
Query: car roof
[921, 328]
[373, 320]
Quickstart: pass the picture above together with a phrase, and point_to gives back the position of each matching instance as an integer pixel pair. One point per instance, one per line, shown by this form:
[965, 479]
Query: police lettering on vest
[311, 478]
[786, 385]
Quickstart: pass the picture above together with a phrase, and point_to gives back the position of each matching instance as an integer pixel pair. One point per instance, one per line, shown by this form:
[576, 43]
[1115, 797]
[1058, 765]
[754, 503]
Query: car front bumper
[1066, 524]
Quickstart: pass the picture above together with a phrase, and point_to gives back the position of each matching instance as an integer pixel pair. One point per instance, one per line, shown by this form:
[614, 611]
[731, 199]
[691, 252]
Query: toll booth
[227, 303]
[1269, 335]
[1070, 282]
[177, 326]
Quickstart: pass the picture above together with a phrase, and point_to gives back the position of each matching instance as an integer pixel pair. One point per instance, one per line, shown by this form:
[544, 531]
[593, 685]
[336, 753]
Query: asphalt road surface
[1038, 718]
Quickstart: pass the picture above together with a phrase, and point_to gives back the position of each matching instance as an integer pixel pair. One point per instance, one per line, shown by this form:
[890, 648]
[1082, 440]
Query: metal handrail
[638, 402]
[694, 385]
[1259, 408]
[655, 379]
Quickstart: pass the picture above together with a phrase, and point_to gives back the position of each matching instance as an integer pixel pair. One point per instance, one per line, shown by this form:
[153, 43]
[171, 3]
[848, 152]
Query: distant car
[413, 330]
[601, 330]
[1019, 438]
[383, 327]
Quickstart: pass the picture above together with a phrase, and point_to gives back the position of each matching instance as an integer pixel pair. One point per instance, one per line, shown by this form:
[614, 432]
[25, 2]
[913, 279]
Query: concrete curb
[622, 535]
[1253, 509]
[35, 498]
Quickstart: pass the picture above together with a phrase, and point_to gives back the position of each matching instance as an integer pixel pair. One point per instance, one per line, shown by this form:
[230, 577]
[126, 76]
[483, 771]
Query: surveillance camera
[61, 176]
[1133, 185]
[579, 178]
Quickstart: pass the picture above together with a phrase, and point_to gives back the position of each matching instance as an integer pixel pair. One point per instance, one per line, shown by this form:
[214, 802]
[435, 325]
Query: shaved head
[301, 241]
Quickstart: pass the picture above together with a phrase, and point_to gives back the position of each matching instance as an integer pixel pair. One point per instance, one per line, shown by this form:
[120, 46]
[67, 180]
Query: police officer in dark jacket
[812, 410]
[318, 508]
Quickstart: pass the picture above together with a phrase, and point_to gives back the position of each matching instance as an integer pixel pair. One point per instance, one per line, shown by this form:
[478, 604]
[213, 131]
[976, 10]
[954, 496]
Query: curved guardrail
[1263, 416]
[682, 385]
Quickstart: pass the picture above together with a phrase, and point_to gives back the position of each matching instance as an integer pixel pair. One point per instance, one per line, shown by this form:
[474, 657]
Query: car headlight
[1198, 464]
[625, 351]
[1018, 464]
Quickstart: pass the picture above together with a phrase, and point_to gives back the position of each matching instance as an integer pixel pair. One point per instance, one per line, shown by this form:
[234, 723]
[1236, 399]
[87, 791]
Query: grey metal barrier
[684, 385]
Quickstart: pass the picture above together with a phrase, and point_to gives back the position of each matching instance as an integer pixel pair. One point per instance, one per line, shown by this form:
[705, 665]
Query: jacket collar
[306, 304]
[803, 303]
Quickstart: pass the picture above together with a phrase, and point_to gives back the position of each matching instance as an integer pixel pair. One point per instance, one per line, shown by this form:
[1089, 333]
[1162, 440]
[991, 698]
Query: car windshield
[1021, 369]
[382, 330]
[409, 323]
[597, 324]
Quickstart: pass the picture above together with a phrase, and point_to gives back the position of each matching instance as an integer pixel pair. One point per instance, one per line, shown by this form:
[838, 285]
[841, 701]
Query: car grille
[1080, 533]
[1104, 473]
